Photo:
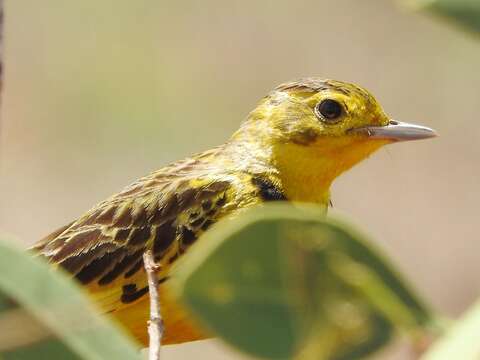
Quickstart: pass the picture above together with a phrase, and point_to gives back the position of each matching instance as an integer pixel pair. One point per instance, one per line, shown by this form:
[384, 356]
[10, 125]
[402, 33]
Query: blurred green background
[98, 94]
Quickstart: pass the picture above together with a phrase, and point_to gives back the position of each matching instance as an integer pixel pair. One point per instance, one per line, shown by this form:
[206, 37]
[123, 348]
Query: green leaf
[463, 12]
[281, 282]
[44, 314]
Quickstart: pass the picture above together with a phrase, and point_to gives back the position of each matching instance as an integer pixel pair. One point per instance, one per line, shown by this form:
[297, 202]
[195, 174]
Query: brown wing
[166, 216]
[165, 211]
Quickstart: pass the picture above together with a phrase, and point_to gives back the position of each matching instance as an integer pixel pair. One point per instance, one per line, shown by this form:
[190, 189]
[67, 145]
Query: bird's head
[314, 129]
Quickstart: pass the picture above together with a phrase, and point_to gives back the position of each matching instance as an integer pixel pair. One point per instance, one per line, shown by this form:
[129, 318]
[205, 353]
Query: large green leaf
[281, 282]
[464, 12]
[44, 314]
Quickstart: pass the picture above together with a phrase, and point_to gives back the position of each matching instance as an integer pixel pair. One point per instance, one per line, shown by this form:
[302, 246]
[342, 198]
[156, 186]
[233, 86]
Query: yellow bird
[299, 138]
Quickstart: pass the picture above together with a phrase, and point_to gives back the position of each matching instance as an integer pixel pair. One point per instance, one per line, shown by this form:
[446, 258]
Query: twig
[155, 324]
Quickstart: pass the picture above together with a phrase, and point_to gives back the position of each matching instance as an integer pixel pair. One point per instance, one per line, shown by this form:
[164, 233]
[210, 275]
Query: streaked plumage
[283, 151]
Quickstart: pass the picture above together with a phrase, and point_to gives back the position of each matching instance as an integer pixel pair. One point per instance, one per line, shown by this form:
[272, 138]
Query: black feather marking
[207, 204]
[173, 258]
[139, 236]
[98, 266]
[207, 224]
[187, 236]
[196, 223]
[164, 237]
[129, 296]
[130, 292]
[120, 268]
[268, 190]
[129, 288]
[75, 264]
[222, 201]
[133, 270]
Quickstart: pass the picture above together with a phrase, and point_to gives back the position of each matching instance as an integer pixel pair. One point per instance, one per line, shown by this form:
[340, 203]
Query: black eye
[329, 110]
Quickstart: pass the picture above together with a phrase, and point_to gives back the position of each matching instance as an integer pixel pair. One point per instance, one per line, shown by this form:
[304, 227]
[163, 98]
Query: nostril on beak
[393, 122]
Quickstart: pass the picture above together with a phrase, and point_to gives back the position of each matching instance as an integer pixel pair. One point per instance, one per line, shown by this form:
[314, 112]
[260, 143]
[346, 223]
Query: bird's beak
[396, 131]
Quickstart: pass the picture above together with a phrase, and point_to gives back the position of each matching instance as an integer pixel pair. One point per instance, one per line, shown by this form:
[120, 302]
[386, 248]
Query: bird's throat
[304, 171]
[307, 172]
[304, 179]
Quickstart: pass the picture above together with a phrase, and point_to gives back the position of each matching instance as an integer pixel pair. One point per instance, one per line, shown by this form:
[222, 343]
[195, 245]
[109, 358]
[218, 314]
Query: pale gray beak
[396, 131]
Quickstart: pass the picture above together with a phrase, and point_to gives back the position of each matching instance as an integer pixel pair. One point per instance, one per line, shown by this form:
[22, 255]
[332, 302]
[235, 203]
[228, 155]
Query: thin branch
[155, 324]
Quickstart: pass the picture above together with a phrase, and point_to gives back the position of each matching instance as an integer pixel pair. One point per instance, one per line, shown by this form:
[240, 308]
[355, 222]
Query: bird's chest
[306, 176]
[308, 190]
[271, 189]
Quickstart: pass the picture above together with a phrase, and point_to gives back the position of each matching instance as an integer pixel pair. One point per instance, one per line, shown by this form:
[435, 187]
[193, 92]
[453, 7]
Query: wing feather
[108, 242]
[165, 211]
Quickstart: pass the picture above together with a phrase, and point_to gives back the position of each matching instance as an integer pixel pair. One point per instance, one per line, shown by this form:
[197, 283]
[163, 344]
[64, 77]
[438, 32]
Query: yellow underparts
[307, 171]
[178, 324]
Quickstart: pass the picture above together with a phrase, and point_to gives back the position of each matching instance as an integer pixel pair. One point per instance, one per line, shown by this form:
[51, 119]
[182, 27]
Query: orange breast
[179, 326]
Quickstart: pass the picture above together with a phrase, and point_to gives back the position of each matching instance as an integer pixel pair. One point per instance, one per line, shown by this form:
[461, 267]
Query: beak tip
[397, 131]
[422, 132]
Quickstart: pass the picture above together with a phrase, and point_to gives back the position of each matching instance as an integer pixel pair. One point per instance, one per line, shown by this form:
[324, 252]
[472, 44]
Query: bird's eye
[329, 110]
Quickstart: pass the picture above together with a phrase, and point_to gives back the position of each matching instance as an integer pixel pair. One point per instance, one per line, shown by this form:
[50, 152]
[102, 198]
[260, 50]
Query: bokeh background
[99, 93]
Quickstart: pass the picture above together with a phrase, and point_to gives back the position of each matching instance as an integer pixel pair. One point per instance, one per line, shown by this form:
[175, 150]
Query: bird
[291, 147]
